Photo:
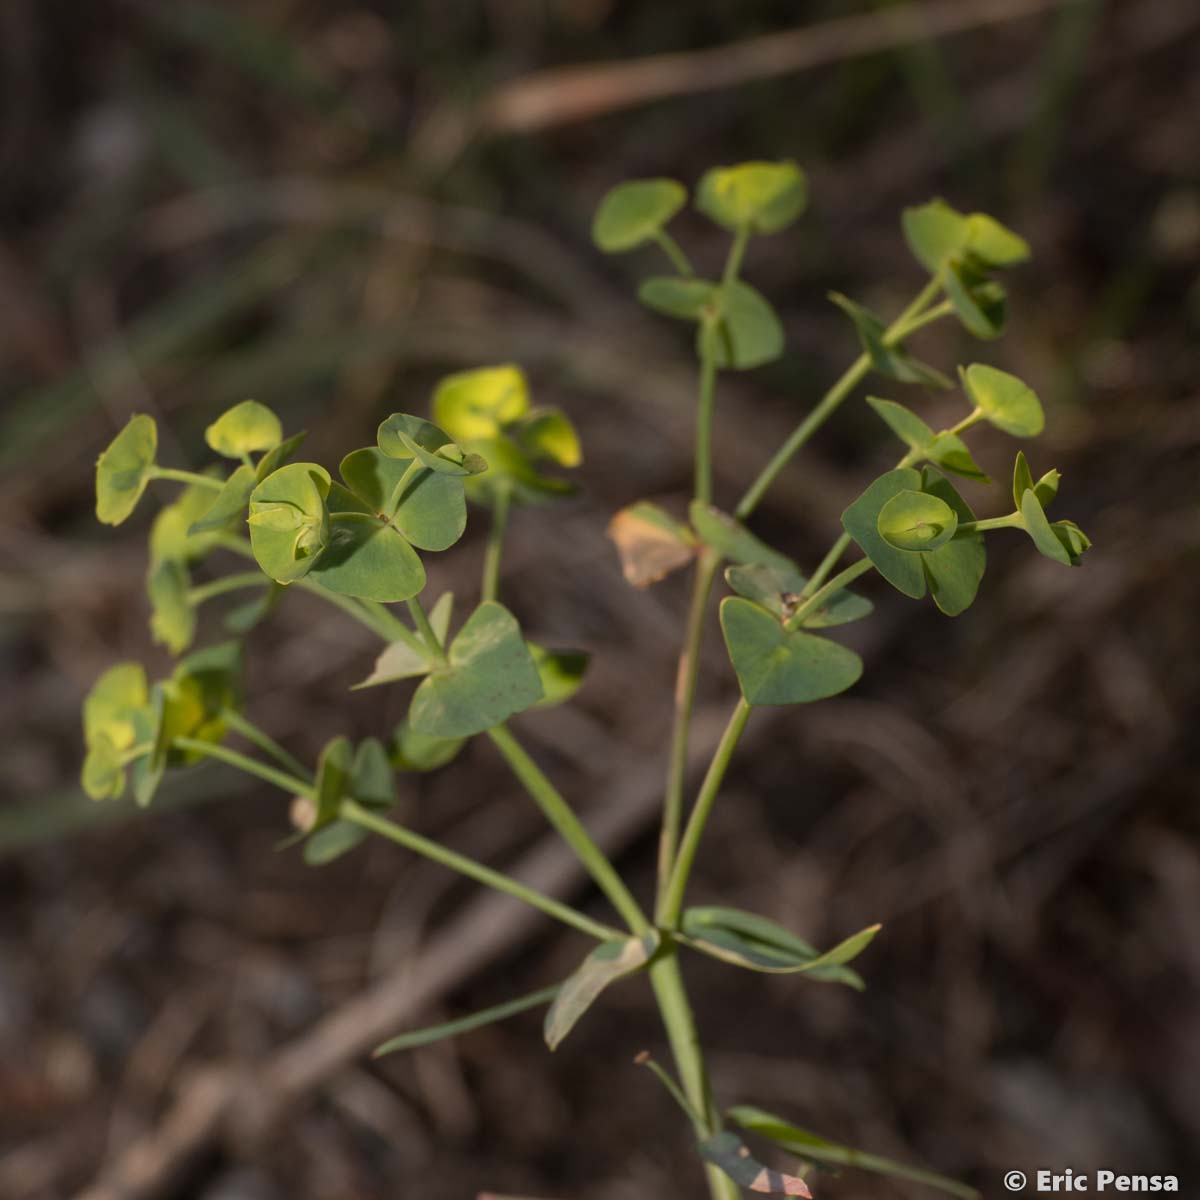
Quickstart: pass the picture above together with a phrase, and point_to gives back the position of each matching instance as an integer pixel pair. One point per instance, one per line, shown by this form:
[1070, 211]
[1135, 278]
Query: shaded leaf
[400, 660]
[893, 361]
[561, 673]
[489, 1016]
[607, 963]
[367, 557]
[123, 469]
[171, 534]
[172, 617]
[815, 1148]
[980, 305]
[232, 501]
[676, 296]
[244, 429]
[406, 437]
[332, 841]
[650, 543]
[955, 570]
[333, 779]
[946, 449]
[728, 1152]
[489, 677]
[778, 590]
[633, 212]
[731, 539]
[763, 197]
[750, 331]
[278, 455]
[900, 568]
[413, 751]
[1064, 541]
[779, 666]
[548, 433]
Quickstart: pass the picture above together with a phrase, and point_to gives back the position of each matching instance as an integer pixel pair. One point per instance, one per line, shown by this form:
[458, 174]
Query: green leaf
[778, 588]
[372, 781]
[428, 508]
[548, 433]
[992, 244]
[278, 455]
[763, 197]
[900, 568]
[912, 520]
[244, 429]
[892, 361]
[489, 677]
[406, 437]
[123, 469]
[489, 1016]
[1073, 540]
[232, 501]
[172, 534]
[946, 449]
[1045, 489]
[202, 687]
[242, 619]
[510, 468]
[289, 524]
[748, 940]
[413, 751]
[750, 333]
[676, 296]
[650, 543]
[149, 769]
[172, 617]
[335, 839]
[980, 305]
[815, 1148]
[561, 673]
[779, 666]
[481, 403]
[366, 557]
[632, 213]
[111, 706]
[607, 963]
[728, 1152]
[731, 539]
[103, 773]
[935, 232]
[399, 660]
[333, 780]
[1064, 541]
[1006, 401]
[955, 570]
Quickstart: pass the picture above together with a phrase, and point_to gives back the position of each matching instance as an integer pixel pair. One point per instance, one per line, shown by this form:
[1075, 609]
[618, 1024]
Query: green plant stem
[971, 419]
[672, 249]
[558, 812]
[685, 700]
[704, 411]
[912, 318]
[228, 583]
[350, 810]
[287, 783]
[672, 904]
[737, 253]
[430, 642]
[267, 744]
[673, 1089]
[827, 564]
[1012, 521]
[178, 476]
[495, 543]
[840, 580]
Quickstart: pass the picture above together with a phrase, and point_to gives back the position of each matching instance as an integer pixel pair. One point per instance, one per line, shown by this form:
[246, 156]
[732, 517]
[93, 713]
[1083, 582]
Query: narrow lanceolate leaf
[779, 666]
[728, 1152]
[632, 213]
[731, 539]
[893, 361]
[650, 543]
[606, 964]
[759, 944]
[812, 1146]
[490, 676]
[901, 568]
[955, 570]
[488, 1016]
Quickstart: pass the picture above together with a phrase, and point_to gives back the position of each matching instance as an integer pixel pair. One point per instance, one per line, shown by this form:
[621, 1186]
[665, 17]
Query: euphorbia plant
[358, 541]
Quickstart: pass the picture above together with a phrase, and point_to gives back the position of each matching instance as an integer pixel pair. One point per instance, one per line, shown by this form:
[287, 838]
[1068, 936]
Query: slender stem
[827, 564]
[673, 1089]
[685, 699]
[558, 812]
[258, 737]
[178, 476]
[350, 810]
[672, 249]
[913, 317]
[430, 642]
[737, 252]
[673, 900]
[227, 583]
[840, 580]
[1012, 521]
[971, 419]
[288, 783]
[704, 410]
[495, 543]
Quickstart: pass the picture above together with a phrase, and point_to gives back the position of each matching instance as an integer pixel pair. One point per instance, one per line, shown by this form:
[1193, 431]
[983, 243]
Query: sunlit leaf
[123, 469]
[632, 213]
[548, 433]
[1007, 402]
[289, 524]
[479, 404]
[606, 964]
[278, 455]
[110, 707]
[763, 197]
[912, 520]
[231, 503]
[244, 429]
[172, 616]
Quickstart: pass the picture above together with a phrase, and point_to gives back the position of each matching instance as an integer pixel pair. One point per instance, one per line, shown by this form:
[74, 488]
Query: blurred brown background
[327, 205]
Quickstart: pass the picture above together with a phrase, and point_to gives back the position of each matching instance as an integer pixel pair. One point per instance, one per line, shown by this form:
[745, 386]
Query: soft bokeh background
[327, 205]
